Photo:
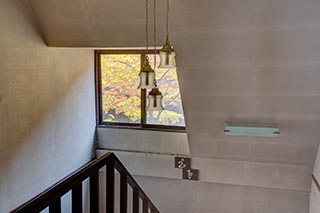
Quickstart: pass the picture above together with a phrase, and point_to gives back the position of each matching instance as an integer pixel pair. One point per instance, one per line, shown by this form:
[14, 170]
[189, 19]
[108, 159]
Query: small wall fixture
[251, 129]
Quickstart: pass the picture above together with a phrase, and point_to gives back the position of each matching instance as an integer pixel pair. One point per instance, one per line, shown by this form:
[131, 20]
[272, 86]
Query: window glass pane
[119, 82]
[168, 84]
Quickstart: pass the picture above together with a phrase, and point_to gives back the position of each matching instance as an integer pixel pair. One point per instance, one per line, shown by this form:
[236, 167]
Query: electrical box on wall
[251, 129]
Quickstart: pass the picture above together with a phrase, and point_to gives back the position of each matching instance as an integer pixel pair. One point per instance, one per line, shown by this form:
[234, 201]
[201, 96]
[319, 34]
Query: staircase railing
[51, 197]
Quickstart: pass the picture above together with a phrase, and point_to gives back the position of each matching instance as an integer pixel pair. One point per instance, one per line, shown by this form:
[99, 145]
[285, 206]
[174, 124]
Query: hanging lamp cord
[155, 34]
[167, 21]
[147, 34]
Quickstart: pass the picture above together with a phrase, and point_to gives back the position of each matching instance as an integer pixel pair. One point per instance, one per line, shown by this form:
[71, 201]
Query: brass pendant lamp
[147, 74]
[167, 54]
[155, 100]
[155, 96]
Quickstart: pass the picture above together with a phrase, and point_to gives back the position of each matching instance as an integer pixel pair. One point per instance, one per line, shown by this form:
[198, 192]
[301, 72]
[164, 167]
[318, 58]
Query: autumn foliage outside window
[120, 102]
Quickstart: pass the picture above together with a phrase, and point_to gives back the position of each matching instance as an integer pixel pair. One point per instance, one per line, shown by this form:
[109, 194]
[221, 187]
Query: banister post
[145, 206]
[123, 192]
[94, 192]
[55, 207]
[135, 203]
[110, 187]
[77, 199]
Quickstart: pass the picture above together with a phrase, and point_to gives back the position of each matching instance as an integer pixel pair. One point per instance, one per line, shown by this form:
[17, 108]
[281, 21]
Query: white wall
[46, 110]
[182, 196]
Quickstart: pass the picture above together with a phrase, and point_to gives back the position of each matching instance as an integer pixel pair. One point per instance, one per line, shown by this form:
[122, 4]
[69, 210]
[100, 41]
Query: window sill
[145, 127]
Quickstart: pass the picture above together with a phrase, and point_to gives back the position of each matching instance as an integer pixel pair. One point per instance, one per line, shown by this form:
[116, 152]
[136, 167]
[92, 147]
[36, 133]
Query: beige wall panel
[316, 170]
[314, 199]
[244, 173]
[237, 60]
[143, 141]
[190, 197]
[46, 110]
[289, 13]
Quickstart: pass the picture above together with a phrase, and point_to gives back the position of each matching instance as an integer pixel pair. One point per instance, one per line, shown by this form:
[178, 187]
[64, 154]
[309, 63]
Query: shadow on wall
[48, 108]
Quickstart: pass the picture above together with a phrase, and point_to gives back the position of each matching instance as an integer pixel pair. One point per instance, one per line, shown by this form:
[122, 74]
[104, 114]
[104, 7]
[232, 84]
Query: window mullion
[143, 97]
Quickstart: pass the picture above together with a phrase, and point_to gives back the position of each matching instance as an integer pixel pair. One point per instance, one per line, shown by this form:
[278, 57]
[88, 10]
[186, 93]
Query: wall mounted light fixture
[251, 129]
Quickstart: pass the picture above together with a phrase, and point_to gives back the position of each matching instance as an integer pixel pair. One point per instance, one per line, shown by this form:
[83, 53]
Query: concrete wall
[46, 107]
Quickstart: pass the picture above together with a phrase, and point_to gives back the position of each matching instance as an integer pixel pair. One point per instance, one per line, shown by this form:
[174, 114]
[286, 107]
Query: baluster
[135, 202]
[123, 192]
[110, 188]
[77, 199]
[94, 192]
[154, 211]
[145, 206]
[55, 207]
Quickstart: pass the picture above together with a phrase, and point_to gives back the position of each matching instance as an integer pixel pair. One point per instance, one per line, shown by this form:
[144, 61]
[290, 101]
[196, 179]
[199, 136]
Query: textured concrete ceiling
[249, 60]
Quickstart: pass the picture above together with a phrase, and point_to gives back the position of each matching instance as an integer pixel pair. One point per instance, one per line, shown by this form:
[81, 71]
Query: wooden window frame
[143, 97]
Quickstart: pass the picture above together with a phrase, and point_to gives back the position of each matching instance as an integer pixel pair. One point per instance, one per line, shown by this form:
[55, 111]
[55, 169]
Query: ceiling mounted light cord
[147, 74]
[147, 28]
[155, 96]
[167, 21]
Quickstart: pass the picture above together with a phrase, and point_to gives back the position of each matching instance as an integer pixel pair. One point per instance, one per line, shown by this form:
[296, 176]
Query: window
[120, 103]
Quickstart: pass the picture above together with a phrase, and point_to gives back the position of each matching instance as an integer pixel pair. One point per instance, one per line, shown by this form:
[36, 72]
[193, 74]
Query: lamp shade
[147, 77]
[155, 100]
[167, 56]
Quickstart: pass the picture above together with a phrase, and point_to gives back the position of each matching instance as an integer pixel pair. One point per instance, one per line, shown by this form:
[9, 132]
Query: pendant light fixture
[155, 96]
[147, 74]
[167, 54]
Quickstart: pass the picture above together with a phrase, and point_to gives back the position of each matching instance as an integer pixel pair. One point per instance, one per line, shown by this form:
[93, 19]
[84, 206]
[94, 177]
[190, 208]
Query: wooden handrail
[51, 197]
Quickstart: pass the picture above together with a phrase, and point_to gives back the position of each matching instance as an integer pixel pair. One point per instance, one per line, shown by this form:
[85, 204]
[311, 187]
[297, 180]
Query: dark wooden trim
[97, 82]
[143, 124]
[123, 193]
[55, 207]
[131, 181]
[52, 196]
[77, 199]
[44, 199]
[164, 127]
[143, 96]
[125, 51]
[94, 192]
[139, 127]
[117, 124]
[110, 187]
[135, 202]
[316, 182]
[145, 208]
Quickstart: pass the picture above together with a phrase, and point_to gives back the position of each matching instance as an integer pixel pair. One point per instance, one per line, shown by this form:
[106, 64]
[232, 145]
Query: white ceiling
[249, 60]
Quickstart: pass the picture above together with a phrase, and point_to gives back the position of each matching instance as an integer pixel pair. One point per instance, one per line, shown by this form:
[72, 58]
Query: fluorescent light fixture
[251, 129]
